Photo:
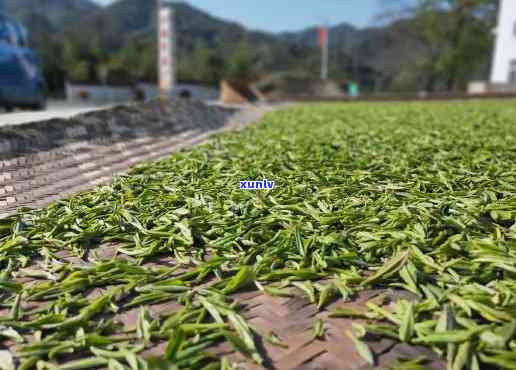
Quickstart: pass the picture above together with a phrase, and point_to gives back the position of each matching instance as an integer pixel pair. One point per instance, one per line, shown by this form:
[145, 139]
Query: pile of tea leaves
[417, 197]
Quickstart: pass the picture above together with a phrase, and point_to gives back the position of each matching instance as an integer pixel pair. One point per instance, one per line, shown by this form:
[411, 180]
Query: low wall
[44, 161]
[485, 87]
[122, 94]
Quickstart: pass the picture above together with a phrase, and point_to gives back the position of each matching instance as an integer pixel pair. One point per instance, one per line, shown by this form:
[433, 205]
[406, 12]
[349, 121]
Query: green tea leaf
[363, 349]
[243, 279]
[318, 329]
[174, 344]
[389, 268]
[406, 330]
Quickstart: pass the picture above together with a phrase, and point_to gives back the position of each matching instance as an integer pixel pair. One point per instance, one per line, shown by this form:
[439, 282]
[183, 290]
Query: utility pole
[355, 62]
[324, 44]
[166, 50]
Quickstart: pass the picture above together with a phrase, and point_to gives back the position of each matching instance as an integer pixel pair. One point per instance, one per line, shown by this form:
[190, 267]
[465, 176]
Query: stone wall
[121, 94]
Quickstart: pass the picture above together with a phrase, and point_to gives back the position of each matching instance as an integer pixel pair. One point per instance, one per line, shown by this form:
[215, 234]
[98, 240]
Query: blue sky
[280, 15]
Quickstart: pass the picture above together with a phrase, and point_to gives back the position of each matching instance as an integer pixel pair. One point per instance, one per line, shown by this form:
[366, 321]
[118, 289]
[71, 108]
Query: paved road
[61, 109]
[55, 110]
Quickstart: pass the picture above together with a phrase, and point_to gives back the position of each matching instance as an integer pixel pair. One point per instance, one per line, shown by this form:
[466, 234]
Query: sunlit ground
[55, 109]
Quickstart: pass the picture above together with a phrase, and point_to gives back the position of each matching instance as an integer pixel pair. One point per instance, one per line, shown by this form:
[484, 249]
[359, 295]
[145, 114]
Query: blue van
[21, 81]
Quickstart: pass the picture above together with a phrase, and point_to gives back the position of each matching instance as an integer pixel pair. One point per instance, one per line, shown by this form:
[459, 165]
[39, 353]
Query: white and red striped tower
[166, 47]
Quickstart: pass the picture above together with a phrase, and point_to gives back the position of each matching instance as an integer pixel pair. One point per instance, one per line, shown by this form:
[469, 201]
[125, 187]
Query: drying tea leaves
[418, 199]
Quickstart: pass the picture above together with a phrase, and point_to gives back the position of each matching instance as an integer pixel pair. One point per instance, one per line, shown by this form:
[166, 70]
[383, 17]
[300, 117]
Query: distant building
[504, 63]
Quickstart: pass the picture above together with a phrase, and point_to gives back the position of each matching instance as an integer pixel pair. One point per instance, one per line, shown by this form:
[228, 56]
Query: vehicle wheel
[185, 94]
[40, 105]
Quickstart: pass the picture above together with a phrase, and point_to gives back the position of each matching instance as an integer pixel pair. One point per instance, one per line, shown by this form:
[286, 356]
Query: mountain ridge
[56, 12]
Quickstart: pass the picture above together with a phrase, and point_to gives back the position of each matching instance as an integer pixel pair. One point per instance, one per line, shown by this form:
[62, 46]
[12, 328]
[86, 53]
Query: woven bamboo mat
[291, 319]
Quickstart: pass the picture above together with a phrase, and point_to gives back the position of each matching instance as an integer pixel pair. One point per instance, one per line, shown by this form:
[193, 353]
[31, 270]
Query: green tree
[242, 64]
[458, 35]
[209, 65]
[79, 60]
[135, 62]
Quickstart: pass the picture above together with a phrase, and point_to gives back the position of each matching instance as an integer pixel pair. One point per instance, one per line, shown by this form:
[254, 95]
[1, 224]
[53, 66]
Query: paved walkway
[56, 109]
